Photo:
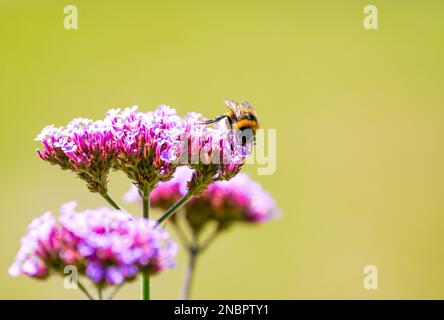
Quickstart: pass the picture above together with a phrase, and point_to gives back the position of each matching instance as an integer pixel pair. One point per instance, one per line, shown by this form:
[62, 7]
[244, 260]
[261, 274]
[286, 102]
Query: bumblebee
[240, 118]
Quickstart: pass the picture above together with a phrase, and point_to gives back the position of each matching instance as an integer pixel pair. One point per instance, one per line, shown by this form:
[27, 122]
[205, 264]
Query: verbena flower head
[85, 147]
[106, 245]
[148, 144]
[240, 199]
[39, 249]
[212, 151]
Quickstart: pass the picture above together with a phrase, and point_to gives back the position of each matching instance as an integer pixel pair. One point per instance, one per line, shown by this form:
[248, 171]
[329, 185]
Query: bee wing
[247, 106]
[234, 107]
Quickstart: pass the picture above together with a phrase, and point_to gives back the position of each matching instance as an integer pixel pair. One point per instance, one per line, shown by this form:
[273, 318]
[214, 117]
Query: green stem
[145, 275]
[181, 235]
[114, 292]
[209, 240]
[193, 251]
[179, 204]
[110, 201]
[146, 205]
[83, 289]
[99, 291]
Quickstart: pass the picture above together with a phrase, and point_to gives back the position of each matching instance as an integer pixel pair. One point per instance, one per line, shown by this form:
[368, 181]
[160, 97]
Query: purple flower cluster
[146, 146]
[241, 199]
[223, 202]
[38, 249]
[106, 245]
[212, 151]
[167, 157]
[86, 147]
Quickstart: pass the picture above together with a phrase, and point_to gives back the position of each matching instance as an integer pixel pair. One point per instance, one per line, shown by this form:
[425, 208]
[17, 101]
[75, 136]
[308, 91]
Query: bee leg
[215, 119]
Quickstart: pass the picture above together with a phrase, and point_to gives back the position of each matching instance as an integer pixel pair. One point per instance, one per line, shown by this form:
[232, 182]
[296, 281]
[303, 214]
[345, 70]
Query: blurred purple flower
[241, 199]
[106, 245]
[223, 202]
[38, 249]
[165, 193]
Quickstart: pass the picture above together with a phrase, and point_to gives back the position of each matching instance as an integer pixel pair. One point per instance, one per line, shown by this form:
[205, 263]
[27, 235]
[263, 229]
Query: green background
[359, 117]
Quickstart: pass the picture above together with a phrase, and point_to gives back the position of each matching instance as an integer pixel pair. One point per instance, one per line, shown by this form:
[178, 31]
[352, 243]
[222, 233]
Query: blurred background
[359, 116]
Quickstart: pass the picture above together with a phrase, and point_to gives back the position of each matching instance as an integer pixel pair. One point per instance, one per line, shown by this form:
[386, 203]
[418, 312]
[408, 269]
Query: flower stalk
[145, 275]
[179, 204]
[83, 289]
[110, 200]
[193, 251]
[114, 292]
[99, 293]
